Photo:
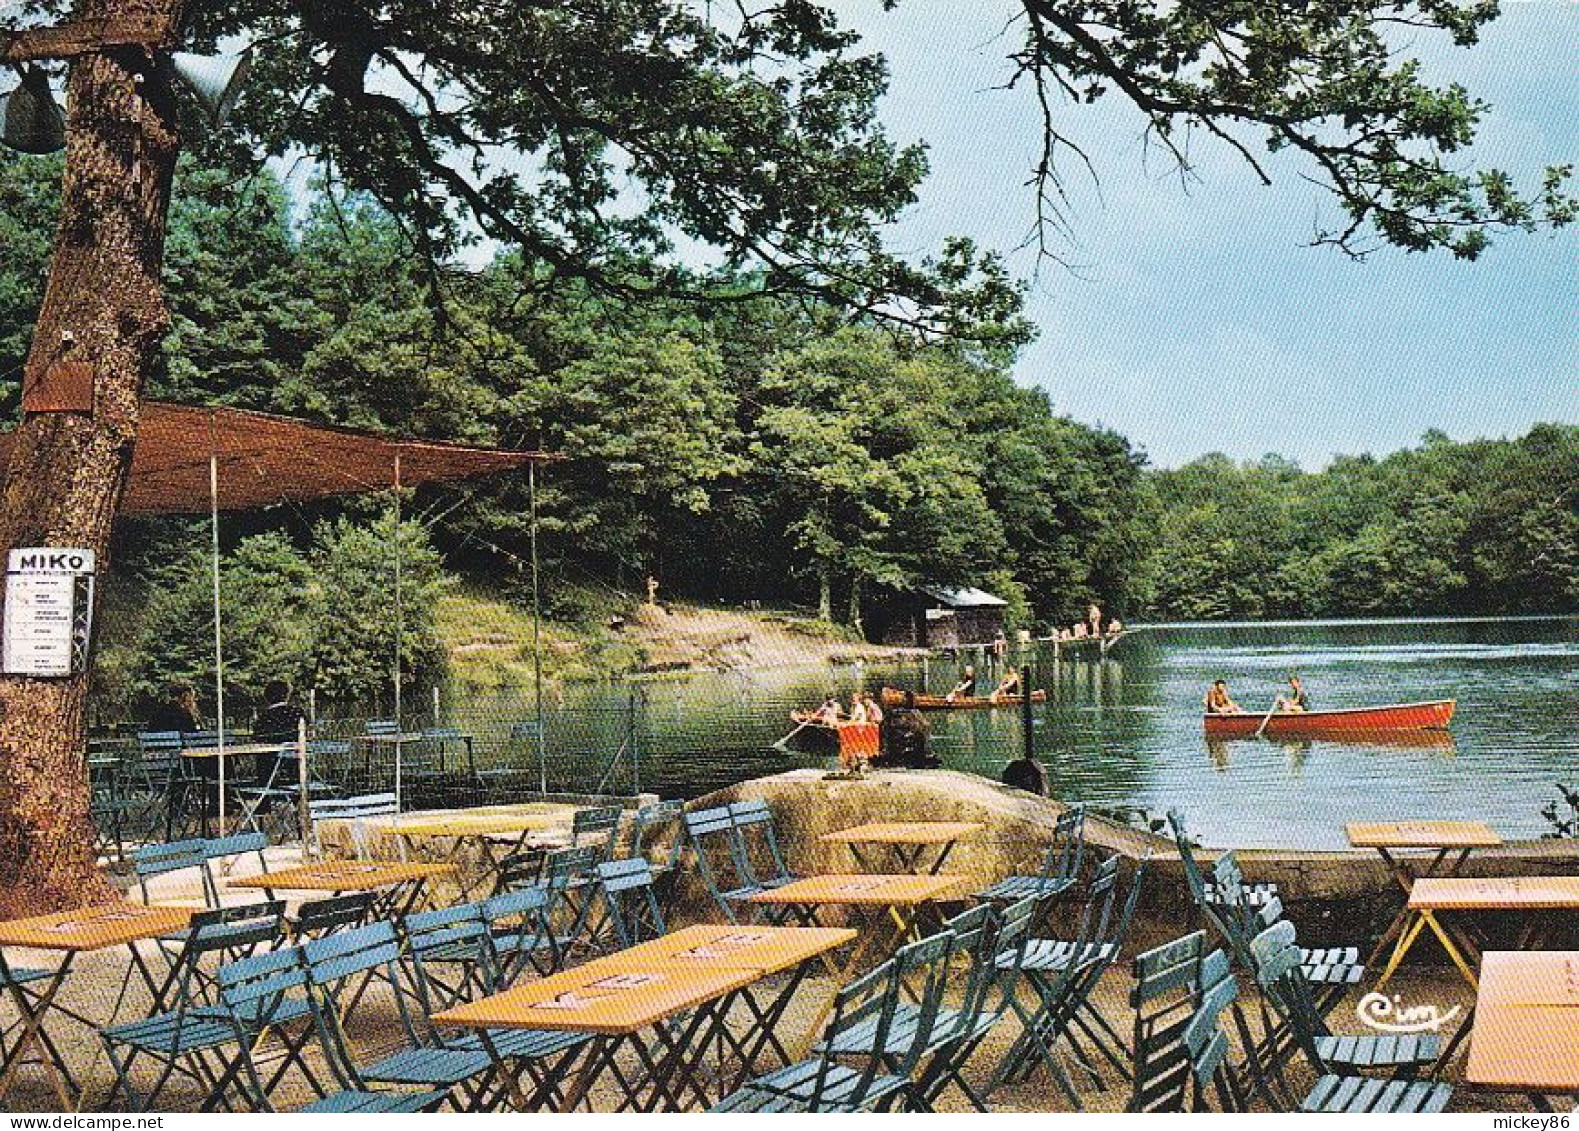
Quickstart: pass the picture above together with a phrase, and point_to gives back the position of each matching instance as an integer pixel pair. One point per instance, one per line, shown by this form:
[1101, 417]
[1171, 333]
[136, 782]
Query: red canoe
[893, 697]
[1395, 716]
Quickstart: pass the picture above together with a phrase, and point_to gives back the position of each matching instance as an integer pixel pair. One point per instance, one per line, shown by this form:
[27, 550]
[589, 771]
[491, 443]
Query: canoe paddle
[1272, 711]
[802, 726]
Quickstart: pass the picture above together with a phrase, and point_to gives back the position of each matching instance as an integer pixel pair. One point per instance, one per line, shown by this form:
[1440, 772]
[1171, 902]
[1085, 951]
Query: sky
[1199, 319]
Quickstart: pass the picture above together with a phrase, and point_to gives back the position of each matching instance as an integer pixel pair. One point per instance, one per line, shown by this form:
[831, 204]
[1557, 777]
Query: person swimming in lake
[1296, 700]
[1218, 701]
[966, 686]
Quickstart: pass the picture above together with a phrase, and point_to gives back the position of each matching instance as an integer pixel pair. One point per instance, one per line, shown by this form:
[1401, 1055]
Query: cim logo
[51, 559]
[1390, 1015]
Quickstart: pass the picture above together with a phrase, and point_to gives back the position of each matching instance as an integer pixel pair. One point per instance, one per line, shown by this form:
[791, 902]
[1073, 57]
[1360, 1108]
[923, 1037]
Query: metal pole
[219, 639]
[303, 802]
[537, 629]
[1027, 714]
[400, 632]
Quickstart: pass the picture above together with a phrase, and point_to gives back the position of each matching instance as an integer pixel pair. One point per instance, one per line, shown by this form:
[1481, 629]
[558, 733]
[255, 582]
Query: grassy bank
[487, 638]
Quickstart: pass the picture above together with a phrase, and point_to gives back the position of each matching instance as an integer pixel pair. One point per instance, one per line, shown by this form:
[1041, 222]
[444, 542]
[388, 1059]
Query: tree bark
[103, 305]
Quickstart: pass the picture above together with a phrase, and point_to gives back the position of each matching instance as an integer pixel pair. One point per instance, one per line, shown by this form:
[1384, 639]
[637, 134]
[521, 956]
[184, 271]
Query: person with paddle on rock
[966, 685]
[1218, 701]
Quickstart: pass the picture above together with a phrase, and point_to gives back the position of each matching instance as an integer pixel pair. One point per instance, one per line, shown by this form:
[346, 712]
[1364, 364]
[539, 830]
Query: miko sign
[48, 610]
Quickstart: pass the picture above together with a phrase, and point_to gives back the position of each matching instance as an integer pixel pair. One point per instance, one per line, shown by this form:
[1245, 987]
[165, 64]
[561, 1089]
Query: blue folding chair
[263, 985]
[1060, 864]
[185, 1038]
[627, 887]
[522, 934]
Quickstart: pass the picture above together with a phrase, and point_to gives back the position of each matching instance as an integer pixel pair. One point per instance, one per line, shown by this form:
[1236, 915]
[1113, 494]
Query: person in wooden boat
[966, 685]
[874, 710]
[1008, 685]
[830, 712]
[1027, 774]
[1219, 702]
[1296, 700]
[857, 713]
[1094, 619]
[1080, 631]
[1115, 627]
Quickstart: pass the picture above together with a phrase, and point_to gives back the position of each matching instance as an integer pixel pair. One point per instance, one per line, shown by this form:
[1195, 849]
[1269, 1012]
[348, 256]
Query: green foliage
[1490, 526]
[322, 618]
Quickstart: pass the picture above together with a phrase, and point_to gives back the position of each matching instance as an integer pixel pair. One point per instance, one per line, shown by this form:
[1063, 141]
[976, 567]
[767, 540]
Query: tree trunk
[825, 593]
[102, 306]
[854, 619]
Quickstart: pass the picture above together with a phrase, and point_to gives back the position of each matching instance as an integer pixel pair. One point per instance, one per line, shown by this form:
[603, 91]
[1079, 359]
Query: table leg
[34, 1008]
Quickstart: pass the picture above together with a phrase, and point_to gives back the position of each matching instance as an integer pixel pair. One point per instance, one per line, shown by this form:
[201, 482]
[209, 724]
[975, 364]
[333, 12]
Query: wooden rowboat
[861, 738]
[1395, 716]
[893, 697]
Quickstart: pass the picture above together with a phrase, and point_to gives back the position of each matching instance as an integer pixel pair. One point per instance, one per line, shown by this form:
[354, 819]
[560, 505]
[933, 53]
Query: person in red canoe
[1009, 685]
[1218, 701]
[1296, 700]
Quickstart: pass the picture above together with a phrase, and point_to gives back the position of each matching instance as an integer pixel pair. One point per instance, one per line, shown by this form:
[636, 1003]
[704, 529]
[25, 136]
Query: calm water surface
[1127, 731]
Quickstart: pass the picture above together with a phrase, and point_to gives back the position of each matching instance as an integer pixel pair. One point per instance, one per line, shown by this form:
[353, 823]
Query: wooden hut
[937, 616]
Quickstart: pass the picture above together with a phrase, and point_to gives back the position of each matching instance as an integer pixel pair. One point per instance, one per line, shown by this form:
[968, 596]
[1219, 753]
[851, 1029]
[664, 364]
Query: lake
[1126, 731]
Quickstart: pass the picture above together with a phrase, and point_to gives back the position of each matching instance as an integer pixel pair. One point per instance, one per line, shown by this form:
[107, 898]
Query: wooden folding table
[1445, 838]
[907, 842]
[678, 989]
[71, 933]
[1433, 902]
[400, 886]
[1526, 1028]
[481, 829]
[888, 908]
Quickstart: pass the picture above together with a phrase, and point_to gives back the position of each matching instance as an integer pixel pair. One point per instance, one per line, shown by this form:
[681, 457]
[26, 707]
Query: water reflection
[1126, 731]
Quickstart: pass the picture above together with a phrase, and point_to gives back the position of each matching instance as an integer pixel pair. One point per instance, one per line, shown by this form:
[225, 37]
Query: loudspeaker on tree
[214, 80]
[31, 121]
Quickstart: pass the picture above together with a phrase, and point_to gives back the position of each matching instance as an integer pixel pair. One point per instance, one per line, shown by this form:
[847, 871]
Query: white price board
[48, 610]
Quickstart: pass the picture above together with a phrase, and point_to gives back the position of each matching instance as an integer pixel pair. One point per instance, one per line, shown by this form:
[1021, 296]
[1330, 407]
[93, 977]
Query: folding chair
[1333, 1093]
[1216, 901]
[1060, 865]
[184, 1038]
[1063, 974]
[280, 793]
[166, 778]
[879, 1078]
[598, 826]
[155, 860]
[1169, 983]
[260, 986]
[996, 968]
[648, 830]
[633, 911]
[570, 875]
[355, 810]
[522, 932]
[320, 918]
[967, 933]
[518, 870]
[227, 849]
[715, 844]
[454, 939]
[757, 833]
[1280, 973]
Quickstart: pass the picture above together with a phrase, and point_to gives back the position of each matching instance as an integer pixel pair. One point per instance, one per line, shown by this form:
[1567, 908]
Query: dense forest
[769, 449]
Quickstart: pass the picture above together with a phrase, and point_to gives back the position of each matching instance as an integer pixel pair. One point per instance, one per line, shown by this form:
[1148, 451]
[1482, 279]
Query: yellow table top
[343, 875]
[1526, 1035]
[94, 928]
[477, 825]
[880, 890]
[1421, 834]
[600, 998]
[237, 749]
[905, 832]
[1502, 893]
[767, 950]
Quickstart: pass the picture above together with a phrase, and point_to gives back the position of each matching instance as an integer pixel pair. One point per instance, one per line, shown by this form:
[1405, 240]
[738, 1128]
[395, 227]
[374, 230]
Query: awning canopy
[266, 459]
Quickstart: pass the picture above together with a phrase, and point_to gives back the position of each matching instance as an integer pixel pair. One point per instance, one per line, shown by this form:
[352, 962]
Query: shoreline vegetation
[761, 454]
